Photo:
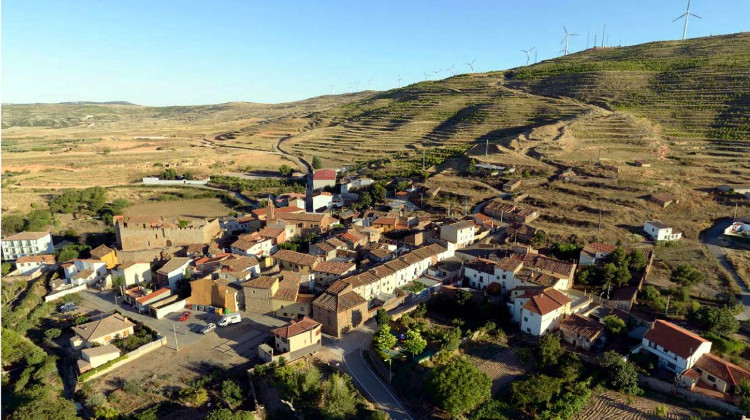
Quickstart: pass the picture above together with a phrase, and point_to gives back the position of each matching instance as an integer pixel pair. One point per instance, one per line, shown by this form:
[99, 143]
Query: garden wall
[57, 295]
[140, 351]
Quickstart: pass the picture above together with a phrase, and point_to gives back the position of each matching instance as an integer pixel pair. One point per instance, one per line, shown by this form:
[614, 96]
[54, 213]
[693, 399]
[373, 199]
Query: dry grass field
[610, 405]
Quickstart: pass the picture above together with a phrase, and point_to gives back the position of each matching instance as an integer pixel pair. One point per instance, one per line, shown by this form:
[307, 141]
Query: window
[711, 378]
[528, 330]
[525, 319]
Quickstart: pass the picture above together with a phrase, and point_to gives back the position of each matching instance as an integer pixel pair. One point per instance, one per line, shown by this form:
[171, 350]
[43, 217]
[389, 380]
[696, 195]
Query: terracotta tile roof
[511, 263]
[339, 302]
[362, 279]
[463, 224]
[286, 292]
[270, 232]
[336, 242]
[726, 371]
[243, 244]
[337, 287]
[196, 248]
[382, 271]
[100, 251]
[598, 247]
[397, 264]
[305, 298]
[164, 291]
[172, 265]
[386, 221]
[552, 265]
[43, 258]
[536, 277]
[100, 328]
[296, 327]
[324, 175]
[239, 263]
[674, 338]
[305, 217]
[352, 236]
[295, 257]
[325, 247]
[83, 274]
[482, 265]
[26, 236]
[333, 267]
[586, 328]
[546, 301]
[262, 282]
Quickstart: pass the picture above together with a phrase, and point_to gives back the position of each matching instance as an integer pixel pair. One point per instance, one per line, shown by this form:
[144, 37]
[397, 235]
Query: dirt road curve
[711, 239]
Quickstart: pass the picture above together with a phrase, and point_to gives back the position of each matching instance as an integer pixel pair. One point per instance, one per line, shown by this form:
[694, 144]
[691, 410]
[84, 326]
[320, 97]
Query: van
[230, 319]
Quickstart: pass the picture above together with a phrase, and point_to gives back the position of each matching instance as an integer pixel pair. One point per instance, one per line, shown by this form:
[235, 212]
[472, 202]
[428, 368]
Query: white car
[208, 328]
[230, 319]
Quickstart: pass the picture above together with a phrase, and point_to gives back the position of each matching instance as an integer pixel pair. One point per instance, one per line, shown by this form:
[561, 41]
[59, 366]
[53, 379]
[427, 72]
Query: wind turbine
[399, 81]
[437, 72]
[471, 65]
[357, 85]
[370, 82]
[686, 15]
[528, 52]
[565, 40]
[451, 70]
[535, 51]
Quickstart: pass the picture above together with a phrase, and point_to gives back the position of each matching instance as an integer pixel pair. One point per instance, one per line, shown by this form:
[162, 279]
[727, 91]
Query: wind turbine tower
[471, 65]
[399, 81]
[528, 54]
[370, 82]
[565, 39]
[686, 15]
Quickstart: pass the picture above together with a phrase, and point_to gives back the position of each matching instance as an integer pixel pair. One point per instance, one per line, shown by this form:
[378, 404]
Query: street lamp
[390, 359]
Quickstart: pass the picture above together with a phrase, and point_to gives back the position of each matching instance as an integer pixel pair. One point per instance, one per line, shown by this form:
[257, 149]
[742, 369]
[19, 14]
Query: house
[676, 348]
[595, 252]
[339, 309]
[195, 250]
[509, 213]
[326, 272]
[135, 233]
[263, 214]
[133, 273]
[85, 271]
[715, 372]
[642, 163]
[663, 199]
[581, 331]
[276, 295]
[297, 339]
[389, 223]
[327, 249]
[295, 261]
[102, 331]
[660, 232]
[485, 221]
[277, 235]
[106, 254]
[291, 200]
[305, 223]
[623, 298]
[31, 263]
[378, 252]
[259, 247]
[515, 271]
[322, 201]
[460, 233]
[324, 178]
[540, 311]
[172, 271]
[217, 293]
[520, 233]
[96, 356]
[354, 184]
[511, 185]
[140, 298]
[238, 268]
[26, 243]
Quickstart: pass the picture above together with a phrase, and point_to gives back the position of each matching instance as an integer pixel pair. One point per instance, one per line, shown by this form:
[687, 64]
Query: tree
[340, 400]
[193, 396]
[622, 275]
[462, 297]
[379, 192]
[365, 200]
[38, 219]
[609, 273]
[458, 386]
[549, 350]
[12, 223]
[720, 321]
[382, 317]
[619, 374]
[383, 339]
[285, 170]
[316, 163]
[52, 334]
[614, 324]
[227, 414]
[650, 293]
[6, 268]
[743, 394]
[414, 343]
[588, 275]
[231, 392]
[70, 252]
[168, 174]
[188, 175]
[544, 387]
[619, 257]
[687, 275]
[638, 260]
[46, 408]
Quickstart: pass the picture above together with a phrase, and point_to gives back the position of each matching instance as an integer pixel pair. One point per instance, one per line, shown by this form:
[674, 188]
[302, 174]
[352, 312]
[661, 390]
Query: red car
[185, 315]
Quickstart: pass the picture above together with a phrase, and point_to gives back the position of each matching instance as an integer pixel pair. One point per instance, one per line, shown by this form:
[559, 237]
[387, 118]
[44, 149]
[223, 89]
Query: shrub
[458, 386]
[661, 411]
[52, 333]
[619, 374]
[686, 275]
[614, 324]
[194, 397]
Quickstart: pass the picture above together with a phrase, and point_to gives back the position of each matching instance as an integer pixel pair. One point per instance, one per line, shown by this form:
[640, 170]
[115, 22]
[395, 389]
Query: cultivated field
[610, 405]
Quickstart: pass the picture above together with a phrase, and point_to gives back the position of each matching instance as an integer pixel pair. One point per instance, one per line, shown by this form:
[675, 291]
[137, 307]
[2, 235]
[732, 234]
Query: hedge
[84, 376]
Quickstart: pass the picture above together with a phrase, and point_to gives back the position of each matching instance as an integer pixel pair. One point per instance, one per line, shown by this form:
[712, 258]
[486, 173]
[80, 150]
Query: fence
[140, 351]
[57, 295]
[147, 180]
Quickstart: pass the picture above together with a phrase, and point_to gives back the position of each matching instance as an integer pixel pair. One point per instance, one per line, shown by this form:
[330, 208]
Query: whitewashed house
[459, 233]
[260, 247]
[660, 232]
[133, 272]
[677, 348]
[78, 272]
[539, 311]
[27, 243]
[32, 263]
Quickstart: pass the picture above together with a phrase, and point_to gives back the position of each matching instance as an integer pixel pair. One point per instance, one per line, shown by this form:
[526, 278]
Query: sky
[189, 52]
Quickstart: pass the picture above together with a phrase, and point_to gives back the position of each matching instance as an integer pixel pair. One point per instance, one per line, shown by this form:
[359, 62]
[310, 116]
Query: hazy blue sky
[161, 52]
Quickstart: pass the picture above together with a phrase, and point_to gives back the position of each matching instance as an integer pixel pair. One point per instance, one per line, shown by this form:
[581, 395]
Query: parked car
[68, 307]
[207, 329]
[230, 319]
[185, 315]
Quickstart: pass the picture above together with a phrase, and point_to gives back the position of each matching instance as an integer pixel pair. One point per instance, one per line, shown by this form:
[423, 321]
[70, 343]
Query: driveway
[711, 238]
[349, 351]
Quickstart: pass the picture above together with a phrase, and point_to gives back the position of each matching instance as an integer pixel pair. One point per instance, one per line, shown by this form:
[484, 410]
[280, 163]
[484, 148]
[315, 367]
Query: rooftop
[296, 327]
[26, 236]
[726, 371]
[44, 258]
[100, 328]
[324, 175]
[333, 267]
[546, 301]
[674, 338]
[587, 328]
[173, 264]
[262, 282]
[295, 257]
[101, 251]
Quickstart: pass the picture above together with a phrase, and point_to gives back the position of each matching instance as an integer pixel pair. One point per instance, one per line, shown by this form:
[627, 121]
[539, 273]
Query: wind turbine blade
[680, 17]
[693, 14]
[565, 29]
[572, 34]
[532, 49]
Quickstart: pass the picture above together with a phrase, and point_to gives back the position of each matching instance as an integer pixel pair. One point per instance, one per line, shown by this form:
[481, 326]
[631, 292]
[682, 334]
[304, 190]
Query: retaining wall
[57, 295]
[157, 181]
[140, 351]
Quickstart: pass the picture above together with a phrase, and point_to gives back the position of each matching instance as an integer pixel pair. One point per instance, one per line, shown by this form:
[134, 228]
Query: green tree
[70, 252]
[46, 408]
[193, 396]
[52, 333]
[379, 193]
[619, 257]
[589, 275]
[687, 275]
[227, 414]
[6, 268]
[622, 275]
[452, 339]
[340, 399]
[650, 293]
[365, 199]
[118, 282]
[544, 387]
[743, 394]
[463, 297]
[458, 386]
[12, 223]
[285, 170]
[619, 374]
[719, 321]
[638, 260]
[231, 392]
[188, 175]
[38, 220]
[414, 343]
[316, 163]
[549, 350]
[383, 339]
[609, 273]
[168, 174]
[382, 317]
[614, 324]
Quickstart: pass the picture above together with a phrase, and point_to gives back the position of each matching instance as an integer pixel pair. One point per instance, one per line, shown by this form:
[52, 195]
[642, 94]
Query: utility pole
[174, 330]
[486, 147]
[422, 160]
[666, 310]
[734, 218]
[600, 221]
[603, 29]
[466, 203]
[594, 40]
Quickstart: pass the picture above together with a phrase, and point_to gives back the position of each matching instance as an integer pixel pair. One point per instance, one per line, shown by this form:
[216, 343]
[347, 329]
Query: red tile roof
[674, 338]
[599, 247]
[45, 258]
[324, 175]
[585, 327]
[296, 327]
[333, 267]
[728, 372]
[547, 301]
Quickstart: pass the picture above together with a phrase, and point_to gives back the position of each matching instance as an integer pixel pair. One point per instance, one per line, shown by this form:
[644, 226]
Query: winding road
[711, 238]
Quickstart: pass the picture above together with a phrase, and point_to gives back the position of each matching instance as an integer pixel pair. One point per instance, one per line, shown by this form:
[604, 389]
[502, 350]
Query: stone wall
[138, 238]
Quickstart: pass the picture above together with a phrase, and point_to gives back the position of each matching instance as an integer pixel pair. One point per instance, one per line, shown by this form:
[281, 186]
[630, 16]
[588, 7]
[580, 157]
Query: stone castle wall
[138, 238]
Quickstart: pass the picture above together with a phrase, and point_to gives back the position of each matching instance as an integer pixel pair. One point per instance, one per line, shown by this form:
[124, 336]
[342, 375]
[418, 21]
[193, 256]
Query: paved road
[349, 351]
[711, 238]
